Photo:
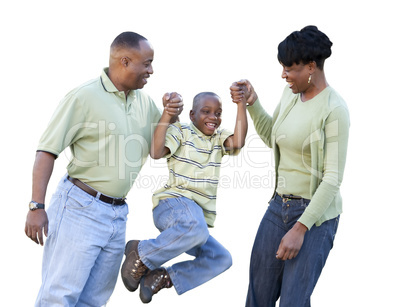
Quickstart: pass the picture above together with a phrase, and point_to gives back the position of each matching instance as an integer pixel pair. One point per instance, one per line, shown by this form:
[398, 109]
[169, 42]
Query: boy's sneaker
[132, 269]
[153, 282]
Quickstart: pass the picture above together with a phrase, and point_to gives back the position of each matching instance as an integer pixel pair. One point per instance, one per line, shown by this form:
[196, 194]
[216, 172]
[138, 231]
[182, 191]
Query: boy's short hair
[198, 97]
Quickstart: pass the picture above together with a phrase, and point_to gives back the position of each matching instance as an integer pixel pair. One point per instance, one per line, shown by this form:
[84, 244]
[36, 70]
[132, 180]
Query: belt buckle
[118, 201]
[283, 197]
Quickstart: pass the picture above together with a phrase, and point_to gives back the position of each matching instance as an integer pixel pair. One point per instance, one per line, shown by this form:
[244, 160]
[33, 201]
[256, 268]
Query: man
[108, 124]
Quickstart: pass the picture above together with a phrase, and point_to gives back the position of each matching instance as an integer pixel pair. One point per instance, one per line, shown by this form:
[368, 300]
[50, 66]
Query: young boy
[185, 207]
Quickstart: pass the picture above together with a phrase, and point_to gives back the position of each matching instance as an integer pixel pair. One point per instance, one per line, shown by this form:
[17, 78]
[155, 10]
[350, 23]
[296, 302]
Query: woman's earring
[309, 79]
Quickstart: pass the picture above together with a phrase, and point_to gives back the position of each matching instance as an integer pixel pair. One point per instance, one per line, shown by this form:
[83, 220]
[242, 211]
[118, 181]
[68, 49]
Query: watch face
[32, 206]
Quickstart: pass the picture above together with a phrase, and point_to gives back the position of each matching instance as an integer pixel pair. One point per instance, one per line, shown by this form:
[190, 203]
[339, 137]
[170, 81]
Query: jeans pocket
[78, 199]
[171, 211]
[162, 214]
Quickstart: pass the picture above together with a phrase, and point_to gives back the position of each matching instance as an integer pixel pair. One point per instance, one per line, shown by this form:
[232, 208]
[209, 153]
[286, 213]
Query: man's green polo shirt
[109, 135]
[194, 164]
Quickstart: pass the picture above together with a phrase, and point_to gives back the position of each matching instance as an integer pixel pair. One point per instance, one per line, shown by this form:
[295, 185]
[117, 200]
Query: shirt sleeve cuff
[255, 108]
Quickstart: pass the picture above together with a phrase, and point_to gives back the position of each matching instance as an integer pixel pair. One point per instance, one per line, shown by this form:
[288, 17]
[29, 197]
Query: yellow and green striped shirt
[194, 163]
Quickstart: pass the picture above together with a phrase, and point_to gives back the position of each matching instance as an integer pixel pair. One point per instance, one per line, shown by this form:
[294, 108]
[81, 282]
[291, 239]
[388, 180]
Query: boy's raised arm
[237, 140]
[173, 106]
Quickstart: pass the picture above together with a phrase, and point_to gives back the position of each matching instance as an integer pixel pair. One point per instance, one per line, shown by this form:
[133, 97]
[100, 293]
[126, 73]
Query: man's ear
[192, 115]
[124, 61]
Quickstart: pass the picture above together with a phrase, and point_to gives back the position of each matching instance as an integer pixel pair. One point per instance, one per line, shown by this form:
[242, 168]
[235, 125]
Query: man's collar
[108, 84]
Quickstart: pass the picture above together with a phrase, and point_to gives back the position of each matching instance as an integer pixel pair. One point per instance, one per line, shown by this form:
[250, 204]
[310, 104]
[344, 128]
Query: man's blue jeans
[291, 280]
[83, 250]
[184, 230]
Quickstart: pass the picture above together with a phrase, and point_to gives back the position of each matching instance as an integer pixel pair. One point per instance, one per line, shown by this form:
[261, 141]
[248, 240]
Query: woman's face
[297, 77]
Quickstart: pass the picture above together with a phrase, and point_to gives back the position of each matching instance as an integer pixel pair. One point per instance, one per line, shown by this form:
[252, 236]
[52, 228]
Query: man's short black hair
[128, 40]
[305, 46]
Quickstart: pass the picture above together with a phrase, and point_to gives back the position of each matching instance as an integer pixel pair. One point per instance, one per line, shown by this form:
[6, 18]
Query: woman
[309, 133]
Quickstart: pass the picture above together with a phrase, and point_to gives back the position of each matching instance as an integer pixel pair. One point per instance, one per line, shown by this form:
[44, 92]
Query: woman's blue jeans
[184, 230]
[291, 280]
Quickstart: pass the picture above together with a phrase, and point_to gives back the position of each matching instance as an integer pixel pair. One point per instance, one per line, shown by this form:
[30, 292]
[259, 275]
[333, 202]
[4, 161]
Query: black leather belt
[94, 193]
[288, 196]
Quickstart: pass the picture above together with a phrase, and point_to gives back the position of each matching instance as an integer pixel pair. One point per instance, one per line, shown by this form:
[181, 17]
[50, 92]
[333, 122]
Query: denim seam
[172, 275]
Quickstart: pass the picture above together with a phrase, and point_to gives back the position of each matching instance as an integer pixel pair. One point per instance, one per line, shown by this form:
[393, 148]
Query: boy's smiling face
[206, 114]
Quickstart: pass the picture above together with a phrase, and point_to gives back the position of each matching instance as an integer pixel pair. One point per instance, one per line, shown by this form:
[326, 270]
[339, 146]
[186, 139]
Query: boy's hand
[173, 104]
[243, 90]
[242, 96]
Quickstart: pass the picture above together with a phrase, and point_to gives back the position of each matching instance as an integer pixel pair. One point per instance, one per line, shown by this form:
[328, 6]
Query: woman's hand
[291, 242]
[243, 89]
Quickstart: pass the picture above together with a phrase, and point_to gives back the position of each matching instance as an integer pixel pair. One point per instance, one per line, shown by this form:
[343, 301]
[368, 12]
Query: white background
[49, 47]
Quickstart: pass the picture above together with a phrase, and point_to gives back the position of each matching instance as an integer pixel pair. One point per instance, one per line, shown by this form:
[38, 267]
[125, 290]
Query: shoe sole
[145, 293]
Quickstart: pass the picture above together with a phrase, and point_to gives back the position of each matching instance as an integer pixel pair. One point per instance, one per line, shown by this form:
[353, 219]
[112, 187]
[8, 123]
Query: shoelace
[160, 282]
[139, 270]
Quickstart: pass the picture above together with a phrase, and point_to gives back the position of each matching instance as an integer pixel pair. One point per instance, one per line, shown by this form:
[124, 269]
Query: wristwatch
[33, 205]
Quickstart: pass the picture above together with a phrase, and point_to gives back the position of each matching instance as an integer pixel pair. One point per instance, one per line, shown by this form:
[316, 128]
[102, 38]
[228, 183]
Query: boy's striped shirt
[194, 163]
